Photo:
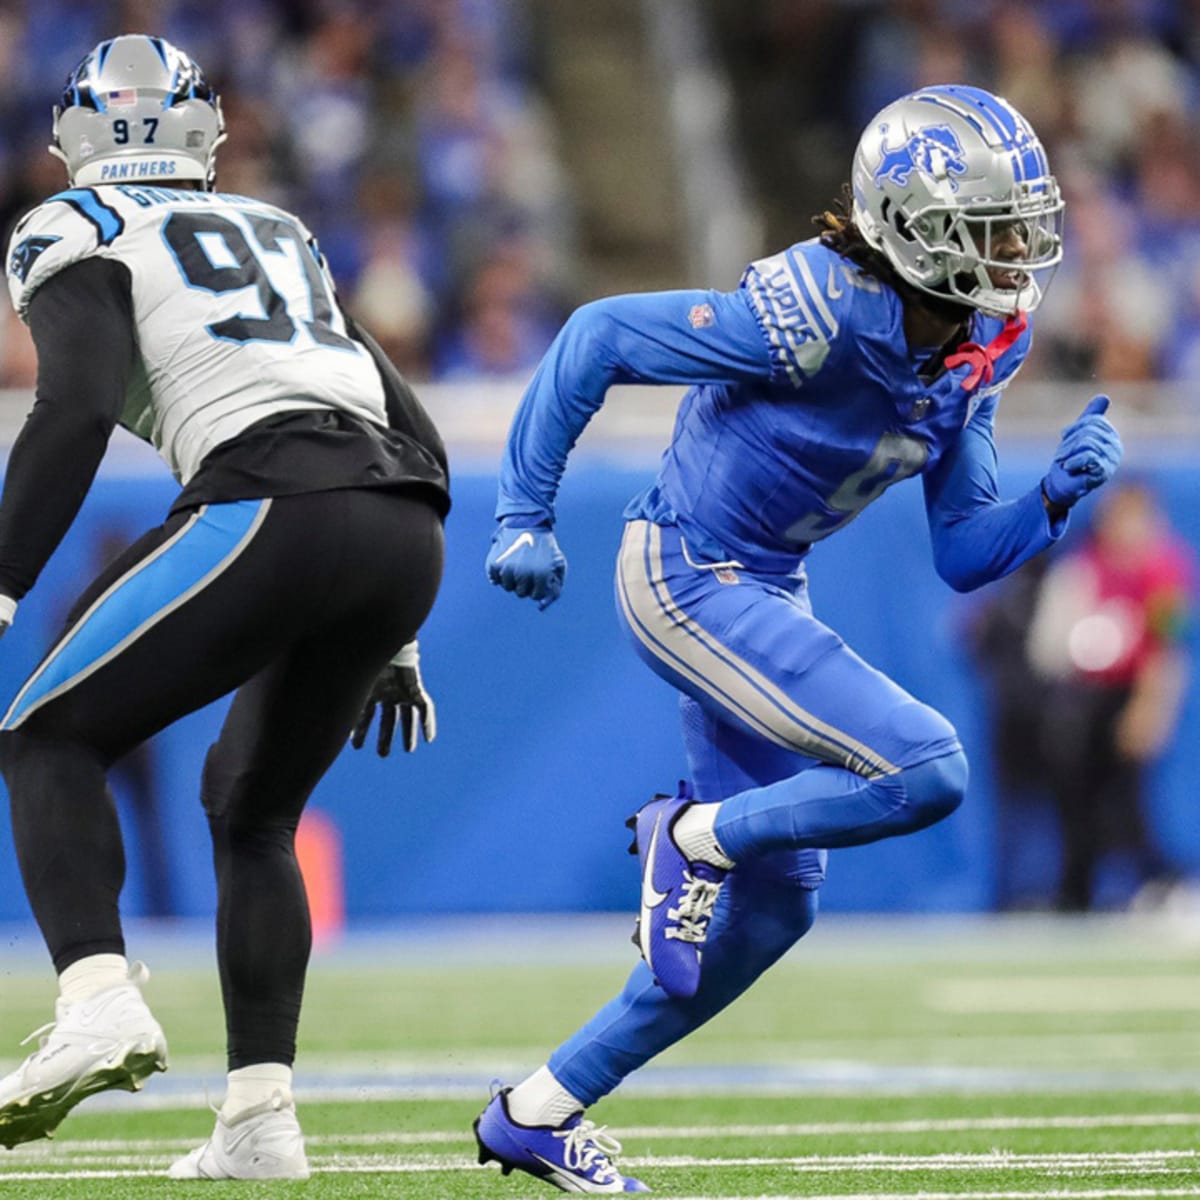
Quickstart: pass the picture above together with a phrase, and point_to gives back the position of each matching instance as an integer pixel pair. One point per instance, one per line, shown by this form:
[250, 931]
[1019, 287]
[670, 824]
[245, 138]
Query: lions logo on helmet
[136, 109]
[952, 185]
[934, 151]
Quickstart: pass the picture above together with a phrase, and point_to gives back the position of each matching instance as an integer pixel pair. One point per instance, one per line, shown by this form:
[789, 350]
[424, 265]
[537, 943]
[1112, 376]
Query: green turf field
[902, 1059]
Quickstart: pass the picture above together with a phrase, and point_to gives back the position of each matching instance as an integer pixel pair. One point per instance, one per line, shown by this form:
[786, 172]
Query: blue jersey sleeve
[977, 537]
[660, 337]
[799, 298]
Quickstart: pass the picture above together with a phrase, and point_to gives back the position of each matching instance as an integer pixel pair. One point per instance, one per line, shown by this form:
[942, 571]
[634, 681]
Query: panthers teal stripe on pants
[181, 567]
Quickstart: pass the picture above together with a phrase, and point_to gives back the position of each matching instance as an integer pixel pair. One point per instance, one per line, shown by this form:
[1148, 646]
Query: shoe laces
[589, 1148]
[697, 899]
[42, 1033]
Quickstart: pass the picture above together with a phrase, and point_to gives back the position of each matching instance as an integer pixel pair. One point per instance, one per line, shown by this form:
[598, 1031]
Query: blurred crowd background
[475, 168]
[411, 136]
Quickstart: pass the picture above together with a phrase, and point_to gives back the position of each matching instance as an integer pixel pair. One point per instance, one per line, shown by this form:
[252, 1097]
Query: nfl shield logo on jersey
[701, 316]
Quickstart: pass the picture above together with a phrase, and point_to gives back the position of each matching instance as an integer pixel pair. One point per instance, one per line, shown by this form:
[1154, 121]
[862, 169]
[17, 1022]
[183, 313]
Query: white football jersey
[234, 310]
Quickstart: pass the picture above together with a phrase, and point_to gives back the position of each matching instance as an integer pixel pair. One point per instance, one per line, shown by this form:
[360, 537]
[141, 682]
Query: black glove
[398, 689]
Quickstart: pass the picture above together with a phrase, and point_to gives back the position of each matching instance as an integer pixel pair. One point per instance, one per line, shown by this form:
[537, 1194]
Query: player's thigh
[188, 612]
[285, 727]
[288, 723]
[754, 657]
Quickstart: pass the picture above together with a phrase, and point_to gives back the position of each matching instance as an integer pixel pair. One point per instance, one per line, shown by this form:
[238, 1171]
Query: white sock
[693, 834]
[255, 1085]
[87, 976]
[541, 1100]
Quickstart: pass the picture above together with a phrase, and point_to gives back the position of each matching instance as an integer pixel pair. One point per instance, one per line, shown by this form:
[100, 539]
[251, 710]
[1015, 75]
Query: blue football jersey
[806, 404]
[763, 468]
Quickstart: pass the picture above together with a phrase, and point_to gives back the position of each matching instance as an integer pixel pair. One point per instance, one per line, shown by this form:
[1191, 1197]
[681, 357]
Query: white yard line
[71, 1146]
[1151, 1161]
[414, 1168]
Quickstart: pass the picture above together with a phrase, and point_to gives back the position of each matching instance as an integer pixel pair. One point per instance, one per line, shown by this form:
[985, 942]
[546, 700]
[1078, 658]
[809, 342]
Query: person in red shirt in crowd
[1106, 638]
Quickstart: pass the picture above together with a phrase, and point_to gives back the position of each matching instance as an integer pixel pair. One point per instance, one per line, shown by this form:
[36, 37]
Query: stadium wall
[551, 732]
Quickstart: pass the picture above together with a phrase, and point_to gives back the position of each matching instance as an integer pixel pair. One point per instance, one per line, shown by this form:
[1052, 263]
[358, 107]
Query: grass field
[902, 1059]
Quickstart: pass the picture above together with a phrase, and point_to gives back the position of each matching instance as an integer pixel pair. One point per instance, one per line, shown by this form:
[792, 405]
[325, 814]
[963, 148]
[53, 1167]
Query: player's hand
[527, 560]
[398, 691]
[1087, 456]
[8, 611]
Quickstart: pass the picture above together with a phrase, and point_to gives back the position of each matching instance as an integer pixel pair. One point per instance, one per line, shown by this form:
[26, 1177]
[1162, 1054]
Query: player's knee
[934, 789]
[25, 754]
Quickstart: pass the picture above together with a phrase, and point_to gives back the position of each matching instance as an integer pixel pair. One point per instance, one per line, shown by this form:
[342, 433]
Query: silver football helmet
[137, 110]
[952, 185]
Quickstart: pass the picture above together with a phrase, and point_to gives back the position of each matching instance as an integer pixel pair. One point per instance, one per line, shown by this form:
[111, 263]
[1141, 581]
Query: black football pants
[297, 602]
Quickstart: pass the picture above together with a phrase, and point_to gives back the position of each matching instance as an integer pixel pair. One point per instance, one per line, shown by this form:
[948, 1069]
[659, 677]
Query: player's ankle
[255, 1087]
[694, 835]
[542, 1100]
[95, 973]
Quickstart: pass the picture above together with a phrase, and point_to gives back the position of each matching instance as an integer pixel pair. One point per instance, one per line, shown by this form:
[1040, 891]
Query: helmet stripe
[157, 43]
[1028, 157]
[102, 53]
[1020, 139]
[951, 104]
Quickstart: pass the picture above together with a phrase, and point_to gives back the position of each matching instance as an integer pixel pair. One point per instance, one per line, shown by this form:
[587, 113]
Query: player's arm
[977, 537]
[399, 691]
[404, 411]
[81, 320]
[656, 338]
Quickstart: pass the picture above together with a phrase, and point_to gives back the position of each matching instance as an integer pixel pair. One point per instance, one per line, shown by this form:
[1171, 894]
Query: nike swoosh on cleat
[563, 1179]
[526, 539]
[650, 897]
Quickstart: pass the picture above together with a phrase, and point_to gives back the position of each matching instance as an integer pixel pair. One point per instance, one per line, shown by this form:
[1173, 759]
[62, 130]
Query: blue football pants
[805, 745]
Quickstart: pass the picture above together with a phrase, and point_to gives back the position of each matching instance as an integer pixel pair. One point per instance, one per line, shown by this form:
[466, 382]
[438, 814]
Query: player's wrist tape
[8, 609]
[407, 656]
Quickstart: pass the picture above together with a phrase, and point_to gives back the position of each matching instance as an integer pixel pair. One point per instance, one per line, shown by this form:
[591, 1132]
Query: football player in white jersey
[295, 567]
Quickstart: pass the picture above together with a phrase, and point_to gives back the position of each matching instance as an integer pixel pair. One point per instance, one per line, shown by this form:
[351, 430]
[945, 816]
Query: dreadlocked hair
[839, 233]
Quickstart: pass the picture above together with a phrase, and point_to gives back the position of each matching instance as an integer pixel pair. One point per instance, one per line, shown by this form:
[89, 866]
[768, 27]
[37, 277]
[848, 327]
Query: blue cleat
[678, 896]
[576, 1156]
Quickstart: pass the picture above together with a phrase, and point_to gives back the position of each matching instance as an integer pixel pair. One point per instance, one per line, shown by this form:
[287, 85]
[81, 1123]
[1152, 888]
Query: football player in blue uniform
[875, 352]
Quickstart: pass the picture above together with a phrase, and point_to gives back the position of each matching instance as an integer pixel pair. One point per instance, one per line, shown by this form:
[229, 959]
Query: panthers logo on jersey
[26, 253]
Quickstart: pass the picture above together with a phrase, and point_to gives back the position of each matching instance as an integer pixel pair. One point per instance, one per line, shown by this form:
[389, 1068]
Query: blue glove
[527, 560]
[1087, 456]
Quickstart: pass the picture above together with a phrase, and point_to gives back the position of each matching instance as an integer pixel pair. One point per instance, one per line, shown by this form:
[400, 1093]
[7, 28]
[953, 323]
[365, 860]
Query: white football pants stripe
[690, 651]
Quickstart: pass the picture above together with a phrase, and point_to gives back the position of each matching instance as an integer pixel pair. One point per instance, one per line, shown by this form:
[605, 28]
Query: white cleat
[263, 1143]
[109, 1040]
